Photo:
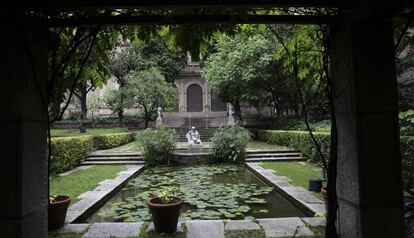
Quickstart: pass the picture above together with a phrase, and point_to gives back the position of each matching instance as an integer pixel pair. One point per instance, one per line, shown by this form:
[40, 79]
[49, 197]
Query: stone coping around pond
[272, 227]
[298, 195]
[99, 195]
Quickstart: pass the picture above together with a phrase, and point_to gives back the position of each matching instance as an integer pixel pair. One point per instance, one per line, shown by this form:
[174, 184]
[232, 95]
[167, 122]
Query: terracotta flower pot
[57, 212]
[324, 193]
[165, 216]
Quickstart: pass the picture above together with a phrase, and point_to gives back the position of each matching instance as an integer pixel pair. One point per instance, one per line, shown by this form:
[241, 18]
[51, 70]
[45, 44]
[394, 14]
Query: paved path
[270, 227]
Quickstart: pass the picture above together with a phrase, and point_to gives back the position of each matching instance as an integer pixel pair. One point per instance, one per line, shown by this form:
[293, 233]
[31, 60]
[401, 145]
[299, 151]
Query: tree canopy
[148, 89]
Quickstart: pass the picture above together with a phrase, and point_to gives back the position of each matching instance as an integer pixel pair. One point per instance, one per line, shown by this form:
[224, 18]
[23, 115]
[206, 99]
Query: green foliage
[155, 53]
[78, 58]
[168, 195]
[116, 100]
[81, 181]
[107, 141]
[300, 140]
[148, 89]
[300, 49]
[407, 154]
[203, 188]
[407, 122]
[74, 115]
[298, 173]
[157, 144]
[229, 143]
[320, 126]
[234, 71]
[94, 103]
[68, 152]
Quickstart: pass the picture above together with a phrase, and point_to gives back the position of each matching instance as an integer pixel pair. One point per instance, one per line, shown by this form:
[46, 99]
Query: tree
[123, 62]
[299, 48]
[155, 53]
[244, 70]
[94, 75]
[149, 90]
[112, 100]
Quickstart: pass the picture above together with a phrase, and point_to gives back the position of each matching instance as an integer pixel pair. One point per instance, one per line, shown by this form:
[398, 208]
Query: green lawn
[82, 181]
[92, 132]
[298, 173]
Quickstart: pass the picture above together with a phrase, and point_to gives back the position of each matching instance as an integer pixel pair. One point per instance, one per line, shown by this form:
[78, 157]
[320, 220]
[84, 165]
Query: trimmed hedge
[68, 152]
[301, 140]
[107, 141]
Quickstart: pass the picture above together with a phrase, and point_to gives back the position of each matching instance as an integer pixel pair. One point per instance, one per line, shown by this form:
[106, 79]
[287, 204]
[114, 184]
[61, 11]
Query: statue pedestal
[195, 147]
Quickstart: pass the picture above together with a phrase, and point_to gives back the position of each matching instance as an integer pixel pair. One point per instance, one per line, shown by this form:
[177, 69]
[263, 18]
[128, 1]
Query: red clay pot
[165, 216]
[57, 212]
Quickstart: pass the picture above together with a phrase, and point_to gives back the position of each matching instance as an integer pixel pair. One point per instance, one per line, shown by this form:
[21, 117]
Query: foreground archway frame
[365, 97]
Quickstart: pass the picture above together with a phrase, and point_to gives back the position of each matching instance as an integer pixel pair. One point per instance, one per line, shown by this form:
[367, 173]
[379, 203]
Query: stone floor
[260, 228]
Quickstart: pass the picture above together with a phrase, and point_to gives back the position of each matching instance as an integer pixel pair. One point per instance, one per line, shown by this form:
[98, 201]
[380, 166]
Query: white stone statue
[193, 137]
[159, 120]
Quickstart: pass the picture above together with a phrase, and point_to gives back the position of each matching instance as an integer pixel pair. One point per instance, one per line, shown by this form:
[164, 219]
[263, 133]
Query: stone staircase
[274, 155]
[201, 125]
[108, 159]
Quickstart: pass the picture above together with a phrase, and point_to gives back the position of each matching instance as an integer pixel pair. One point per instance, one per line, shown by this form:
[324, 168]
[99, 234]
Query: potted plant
[165, 210]
[58, 206]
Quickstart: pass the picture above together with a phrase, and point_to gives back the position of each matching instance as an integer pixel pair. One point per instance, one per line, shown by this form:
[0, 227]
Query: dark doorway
[194, 98]
[217, 105]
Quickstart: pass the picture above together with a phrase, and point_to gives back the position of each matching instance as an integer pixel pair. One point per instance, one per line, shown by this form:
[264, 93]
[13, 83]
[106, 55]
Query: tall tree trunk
[121, 118]
[237, 111]
[84, 109]
[146, 116]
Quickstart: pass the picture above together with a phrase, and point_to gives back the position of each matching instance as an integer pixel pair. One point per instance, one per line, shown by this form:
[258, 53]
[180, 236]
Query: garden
[254, 171]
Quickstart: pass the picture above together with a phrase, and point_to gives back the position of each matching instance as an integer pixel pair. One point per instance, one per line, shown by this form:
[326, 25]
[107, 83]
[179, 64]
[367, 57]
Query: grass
[298, 173]
[82, 181]
[92, 132]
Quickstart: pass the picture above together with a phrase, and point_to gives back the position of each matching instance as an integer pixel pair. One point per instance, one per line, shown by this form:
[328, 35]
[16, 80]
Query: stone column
[366, 103]
[23, 125]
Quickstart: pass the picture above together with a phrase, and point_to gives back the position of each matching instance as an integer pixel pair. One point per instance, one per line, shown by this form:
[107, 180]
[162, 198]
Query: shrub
[157, 144]
[302, 141]
[107, 141]
[68, 152]
[229, 144]
[407, 155]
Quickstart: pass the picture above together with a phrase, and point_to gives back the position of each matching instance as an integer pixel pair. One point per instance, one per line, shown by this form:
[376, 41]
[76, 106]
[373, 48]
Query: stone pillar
[23, 125]
[366, 103]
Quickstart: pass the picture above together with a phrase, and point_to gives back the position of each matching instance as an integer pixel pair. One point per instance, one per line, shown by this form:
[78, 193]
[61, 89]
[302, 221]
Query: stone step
[275, 159]
[111, 162]
[253, 151]
[114, 155]
[255, 155]
[114, 158]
